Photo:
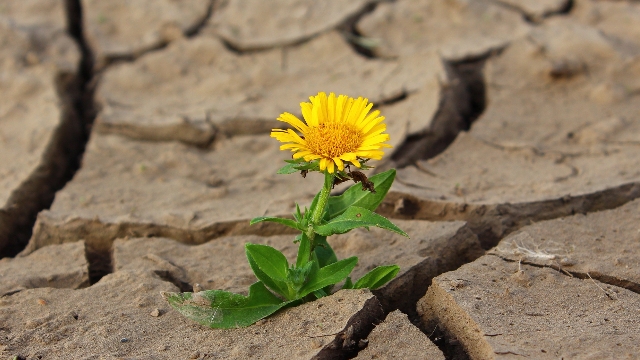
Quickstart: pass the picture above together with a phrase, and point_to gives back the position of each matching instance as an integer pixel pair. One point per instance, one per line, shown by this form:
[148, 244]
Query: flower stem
[323, 199]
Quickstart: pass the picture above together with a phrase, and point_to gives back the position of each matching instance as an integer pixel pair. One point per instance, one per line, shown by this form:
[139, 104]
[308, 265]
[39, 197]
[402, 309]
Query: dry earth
[134, 149]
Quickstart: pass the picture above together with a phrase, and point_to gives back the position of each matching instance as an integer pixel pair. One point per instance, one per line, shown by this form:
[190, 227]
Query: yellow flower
[336, 129]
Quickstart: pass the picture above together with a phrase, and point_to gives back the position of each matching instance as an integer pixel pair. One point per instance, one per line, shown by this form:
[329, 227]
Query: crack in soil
[63, 154]
[59, 162]
[197, 27]
[447, 343]
[359, 43]
[461, 103]
[99, 236]
[191, 32]
[536, 19]
[603, 278]
[492, 222]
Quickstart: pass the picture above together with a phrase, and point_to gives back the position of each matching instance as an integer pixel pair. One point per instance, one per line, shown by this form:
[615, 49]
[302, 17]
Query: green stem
[323, 199]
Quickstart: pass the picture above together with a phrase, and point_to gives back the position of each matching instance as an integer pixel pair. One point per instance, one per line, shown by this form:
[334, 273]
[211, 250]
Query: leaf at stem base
[224, 310]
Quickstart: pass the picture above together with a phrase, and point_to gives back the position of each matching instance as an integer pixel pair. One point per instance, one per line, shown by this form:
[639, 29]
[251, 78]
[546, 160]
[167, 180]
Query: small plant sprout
[338, 137]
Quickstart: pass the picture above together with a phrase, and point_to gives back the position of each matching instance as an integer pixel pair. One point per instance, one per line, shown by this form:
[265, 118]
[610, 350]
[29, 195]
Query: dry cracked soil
[134, 149]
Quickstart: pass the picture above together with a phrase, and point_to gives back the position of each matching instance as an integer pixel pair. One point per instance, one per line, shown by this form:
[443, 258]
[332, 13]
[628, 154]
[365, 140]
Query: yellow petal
[371, 154]
[371, 124]
[315, 113]
[323, 164]
[301, 153]
[321, 99]
[372, 147]
[363, 114]
[312, 157]
[289, 146]
[331, 107]
[296, 137]
[339, 163]
[355, 112]
[339, 108]
[375, 139]
[371, 117]
[282, 136]
[347, 109]
[293, 121]
[306, 111]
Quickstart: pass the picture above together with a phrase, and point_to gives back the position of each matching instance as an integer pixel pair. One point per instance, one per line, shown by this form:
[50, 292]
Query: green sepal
[287, 169]
[224, 310]
[328, 275]
[270, 266]
[355, 217]
[355, 196]
[287, 222]
[377, 277]
[299, 165]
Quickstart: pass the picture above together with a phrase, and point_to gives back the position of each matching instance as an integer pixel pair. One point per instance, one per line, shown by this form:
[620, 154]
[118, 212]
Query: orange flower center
[333, 139]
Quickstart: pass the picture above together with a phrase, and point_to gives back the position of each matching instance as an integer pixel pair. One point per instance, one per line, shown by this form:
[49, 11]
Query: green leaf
[304, 251]
[348, 284]
[224, 310]
[324, 252]
[276, 266]
[328, 275]
[320, 293]
[298, 165]
[297, 276]
[287, 169]
[355, 217]
[355, 196]
[328, 258]
[312, 207]
[288, 222]
[298, 214]
[269, 259]
[377, 277]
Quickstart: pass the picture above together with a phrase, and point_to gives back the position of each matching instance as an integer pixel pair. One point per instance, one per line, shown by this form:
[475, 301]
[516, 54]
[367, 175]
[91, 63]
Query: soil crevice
[594, 275]
[62, 157]
[462, 101]
[190, 32]
[537, 17]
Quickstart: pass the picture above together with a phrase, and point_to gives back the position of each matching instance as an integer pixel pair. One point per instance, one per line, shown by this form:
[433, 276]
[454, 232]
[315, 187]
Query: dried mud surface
[516, 133]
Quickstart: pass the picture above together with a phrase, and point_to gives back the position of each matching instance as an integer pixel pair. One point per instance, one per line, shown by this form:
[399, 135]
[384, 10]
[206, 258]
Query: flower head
[335, 130]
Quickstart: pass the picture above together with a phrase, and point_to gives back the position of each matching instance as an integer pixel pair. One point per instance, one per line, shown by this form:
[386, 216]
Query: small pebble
[456, 284]
[195, 355]
[124, 340]
[567, 262]
[156, 312]
[42, 301]
[316, 343]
